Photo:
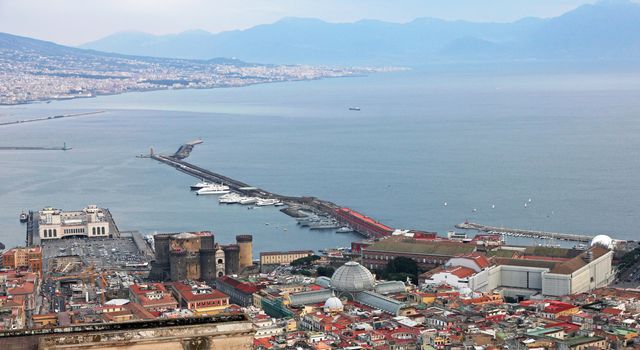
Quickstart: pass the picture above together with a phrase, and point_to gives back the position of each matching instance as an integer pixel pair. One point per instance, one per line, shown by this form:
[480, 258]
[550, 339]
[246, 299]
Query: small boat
[200, 185]
[248, 200]
[230, 198]
[344, 229]
[354, 108]
[24, 217]
[265, 202]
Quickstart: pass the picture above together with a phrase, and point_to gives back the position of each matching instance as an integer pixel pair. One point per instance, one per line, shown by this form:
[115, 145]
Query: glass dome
[352, 277]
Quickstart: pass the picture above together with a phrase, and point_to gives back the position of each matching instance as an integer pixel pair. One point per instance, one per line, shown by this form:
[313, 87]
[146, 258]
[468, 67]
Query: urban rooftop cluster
[408, 290]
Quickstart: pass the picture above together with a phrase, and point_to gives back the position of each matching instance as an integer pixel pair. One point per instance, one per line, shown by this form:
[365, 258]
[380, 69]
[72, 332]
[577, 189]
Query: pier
[525, 233]
[30, 148]
[59, 116]
[325, 208]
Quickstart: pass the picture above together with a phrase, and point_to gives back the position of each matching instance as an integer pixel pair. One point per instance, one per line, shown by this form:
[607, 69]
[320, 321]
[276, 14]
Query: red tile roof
[555, 307]
[479, 259]
[186, 292]
[244, 287]
[461, 271]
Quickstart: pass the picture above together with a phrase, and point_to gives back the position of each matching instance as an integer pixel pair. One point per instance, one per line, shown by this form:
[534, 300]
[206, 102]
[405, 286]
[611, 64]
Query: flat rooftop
[399, 244]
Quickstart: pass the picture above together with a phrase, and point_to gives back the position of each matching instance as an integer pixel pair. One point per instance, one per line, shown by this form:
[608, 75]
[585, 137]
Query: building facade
[283, 258]
[89, 222]
[427, 253]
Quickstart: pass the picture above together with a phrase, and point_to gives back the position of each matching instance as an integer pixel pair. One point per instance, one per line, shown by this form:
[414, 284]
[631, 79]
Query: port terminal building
[88, 222]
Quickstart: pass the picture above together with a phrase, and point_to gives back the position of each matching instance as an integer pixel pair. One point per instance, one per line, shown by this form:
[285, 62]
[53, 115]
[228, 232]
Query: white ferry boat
[214, 189]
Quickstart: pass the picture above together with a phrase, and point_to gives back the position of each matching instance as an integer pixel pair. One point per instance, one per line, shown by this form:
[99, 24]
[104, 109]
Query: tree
[401, 268]
[305, 261]
[325, 271]
[402, 265]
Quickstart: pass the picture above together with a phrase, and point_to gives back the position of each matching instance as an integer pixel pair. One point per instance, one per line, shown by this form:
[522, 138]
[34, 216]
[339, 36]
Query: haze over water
[568, 141]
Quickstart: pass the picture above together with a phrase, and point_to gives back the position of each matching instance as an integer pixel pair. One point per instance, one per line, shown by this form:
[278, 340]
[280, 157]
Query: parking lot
[102, 253]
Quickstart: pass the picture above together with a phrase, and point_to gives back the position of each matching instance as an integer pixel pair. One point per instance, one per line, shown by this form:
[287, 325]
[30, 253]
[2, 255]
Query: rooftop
[407, 245]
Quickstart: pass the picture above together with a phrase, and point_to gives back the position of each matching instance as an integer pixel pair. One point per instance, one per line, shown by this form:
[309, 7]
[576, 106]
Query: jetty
[32, 148]
[296, 205]
[525, 233]
[59, 116]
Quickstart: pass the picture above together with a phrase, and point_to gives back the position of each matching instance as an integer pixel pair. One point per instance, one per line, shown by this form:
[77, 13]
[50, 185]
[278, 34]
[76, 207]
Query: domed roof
[603, 240]
[333, 303]
[352, 277]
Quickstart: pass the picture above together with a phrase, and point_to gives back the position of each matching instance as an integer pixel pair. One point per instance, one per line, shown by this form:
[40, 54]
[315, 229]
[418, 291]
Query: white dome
[333, 303]
[352, 277]
[602, 240]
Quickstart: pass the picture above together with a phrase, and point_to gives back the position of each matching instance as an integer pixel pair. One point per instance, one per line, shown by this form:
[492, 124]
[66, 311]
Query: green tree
[402, 265]
[305, 261]
[325, 271]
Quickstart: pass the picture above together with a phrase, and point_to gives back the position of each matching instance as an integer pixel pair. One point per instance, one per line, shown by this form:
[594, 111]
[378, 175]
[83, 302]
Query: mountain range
[607, 30]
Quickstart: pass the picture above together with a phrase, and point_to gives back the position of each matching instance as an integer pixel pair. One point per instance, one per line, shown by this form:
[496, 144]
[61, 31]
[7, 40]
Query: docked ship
[248, 200]
[324, 225]
[199, 185]
[213, 189]
[265, 202]
[344, 229]
[230, 198]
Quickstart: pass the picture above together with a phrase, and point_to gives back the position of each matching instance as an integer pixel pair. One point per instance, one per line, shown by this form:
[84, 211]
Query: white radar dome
[602, 240]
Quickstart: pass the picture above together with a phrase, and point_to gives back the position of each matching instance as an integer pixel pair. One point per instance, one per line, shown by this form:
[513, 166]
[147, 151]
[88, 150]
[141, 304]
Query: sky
[74, 22]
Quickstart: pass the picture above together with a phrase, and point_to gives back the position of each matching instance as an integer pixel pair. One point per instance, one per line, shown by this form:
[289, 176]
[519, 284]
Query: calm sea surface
[568, 141]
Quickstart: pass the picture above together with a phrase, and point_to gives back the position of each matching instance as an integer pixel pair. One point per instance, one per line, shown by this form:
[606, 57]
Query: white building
[527, 276]
[89, 222]
[460, 272]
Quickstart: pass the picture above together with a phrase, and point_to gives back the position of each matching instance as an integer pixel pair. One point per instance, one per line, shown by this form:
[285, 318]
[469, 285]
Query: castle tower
[208, 265]
[245, 242]
[231, 259]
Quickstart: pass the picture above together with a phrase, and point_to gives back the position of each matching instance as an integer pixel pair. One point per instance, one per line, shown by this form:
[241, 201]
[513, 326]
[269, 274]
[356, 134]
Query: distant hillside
[15, 43]
[607, 30]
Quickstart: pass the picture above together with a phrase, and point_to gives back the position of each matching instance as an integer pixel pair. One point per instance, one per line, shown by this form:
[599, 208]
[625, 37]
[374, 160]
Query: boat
[200, 185]
[24, 217]
[265, 202]
[213, 189]
[344, 229]
[230, 198]
[248, 200]
[354, 108]
[324, 225]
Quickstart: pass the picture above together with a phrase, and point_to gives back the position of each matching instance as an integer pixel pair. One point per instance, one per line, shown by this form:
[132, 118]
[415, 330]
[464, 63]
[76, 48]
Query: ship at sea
[24, 217]
[354, 108]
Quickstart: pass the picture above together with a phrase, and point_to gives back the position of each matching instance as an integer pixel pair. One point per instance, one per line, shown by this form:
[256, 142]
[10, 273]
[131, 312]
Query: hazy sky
[73, 22]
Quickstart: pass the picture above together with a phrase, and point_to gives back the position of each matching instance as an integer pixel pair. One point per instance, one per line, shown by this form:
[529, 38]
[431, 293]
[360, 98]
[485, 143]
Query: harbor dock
[525, 233]
[60, 116]
[296, 205]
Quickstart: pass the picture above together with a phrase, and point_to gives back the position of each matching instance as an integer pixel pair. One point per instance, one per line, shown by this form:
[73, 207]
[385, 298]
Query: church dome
[602, 240]
[352, 277]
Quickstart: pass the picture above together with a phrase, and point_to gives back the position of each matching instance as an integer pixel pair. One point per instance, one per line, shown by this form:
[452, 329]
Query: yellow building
[283, 258]
[18, 258]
